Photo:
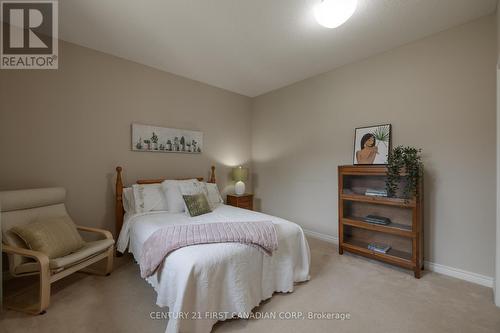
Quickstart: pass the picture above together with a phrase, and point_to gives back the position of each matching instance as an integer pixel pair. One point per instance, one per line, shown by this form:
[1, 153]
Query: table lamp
[240, 175]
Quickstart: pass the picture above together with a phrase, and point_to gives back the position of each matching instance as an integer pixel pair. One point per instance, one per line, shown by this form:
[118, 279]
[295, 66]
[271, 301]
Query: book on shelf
[377, 219]
[376, 192]
[379, 247]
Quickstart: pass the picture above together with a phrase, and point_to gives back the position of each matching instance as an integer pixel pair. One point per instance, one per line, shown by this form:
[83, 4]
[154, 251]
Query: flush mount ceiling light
[334, 13]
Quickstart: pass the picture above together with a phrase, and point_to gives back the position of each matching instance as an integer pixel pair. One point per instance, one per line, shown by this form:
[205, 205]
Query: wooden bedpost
[119, 202]
[212, 175]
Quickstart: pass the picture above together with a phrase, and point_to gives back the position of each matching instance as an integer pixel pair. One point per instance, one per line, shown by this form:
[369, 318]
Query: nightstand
[240, 201]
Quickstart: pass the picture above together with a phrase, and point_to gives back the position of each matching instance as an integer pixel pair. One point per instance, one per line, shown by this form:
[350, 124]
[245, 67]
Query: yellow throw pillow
[55, 237]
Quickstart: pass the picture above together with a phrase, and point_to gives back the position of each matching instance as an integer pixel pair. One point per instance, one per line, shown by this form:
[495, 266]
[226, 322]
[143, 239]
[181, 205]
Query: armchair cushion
[56, 236]
[88, 250]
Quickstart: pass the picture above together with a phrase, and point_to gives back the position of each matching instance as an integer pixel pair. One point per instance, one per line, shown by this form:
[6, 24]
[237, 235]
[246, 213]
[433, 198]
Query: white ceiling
[253, 46]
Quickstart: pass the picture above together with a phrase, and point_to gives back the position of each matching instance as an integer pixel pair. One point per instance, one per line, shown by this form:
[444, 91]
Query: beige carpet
[379, 298]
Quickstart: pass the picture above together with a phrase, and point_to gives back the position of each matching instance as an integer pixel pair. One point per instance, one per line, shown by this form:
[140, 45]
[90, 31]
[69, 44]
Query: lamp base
[239, 188]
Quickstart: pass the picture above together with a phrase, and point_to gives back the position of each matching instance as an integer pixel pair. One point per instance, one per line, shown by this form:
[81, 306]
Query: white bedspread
[224, 279]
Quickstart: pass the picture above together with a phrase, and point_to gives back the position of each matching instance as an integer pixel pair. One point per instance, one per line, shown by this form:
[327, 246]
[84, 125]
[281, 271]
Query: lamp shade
[240, 174]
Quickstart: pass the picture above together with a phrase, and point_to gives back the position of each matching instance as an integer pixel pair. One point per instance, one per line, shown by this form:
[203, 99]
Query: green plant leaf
[381, 133]
[409, 159]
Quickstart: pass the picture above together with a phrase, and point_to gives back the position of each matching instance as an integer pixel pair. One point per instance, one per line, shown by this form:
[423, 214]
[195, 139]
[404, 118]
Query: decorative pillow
[55, 237]
[171, 189]
[213, 195]
[149, 197]
[196, 204]
[128, 200]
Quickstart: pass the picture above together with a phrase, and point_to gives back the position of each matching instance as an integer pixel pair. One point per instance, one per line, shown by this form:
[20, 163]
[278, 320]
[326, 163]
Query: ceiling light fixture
[334, 13]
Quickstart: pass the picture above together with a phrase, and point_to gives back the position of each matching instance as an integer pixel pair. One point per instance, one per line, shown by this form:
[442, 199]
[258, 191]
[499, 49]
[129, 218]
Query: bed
[206, 283]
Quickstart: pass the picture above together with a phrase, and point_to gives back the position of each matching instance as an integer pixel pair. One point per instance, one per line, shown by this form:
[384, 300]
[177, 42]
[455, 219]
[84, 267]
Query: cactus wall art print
[166, 140]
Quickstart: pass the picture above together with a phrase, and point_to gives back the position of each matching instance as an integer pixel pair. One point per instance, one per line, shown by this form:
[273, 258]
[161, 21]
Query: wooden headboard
[120, 212]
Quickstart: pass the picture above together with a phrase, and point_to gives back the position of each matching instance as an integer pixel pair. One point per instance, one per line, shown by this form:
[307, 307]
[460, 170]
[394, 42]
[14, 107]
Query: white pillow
[213, 195]
[149, 198]
[171, 189]
[128, 200]
[190, 188]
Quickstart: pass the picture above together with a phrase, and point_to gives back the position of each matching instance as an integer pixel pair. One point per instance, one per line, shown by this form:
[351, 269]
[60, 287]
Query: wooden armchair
[25, 206]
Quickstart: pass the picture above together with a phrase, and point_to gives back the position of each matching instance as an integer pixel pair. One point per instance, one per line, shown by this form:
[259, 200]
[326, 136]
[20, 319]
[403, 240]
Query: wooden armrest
[103, 232]
[44, 272]
[43, 259]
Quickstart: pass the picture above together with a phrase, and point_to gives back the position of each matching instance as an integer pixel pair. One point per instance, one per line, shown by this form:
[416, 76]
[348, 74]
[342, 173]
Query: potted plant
[183, 144]
[138, 145]
[176, 144]
[407, 161]
[148, 143]
[169, 145]
[154, 140]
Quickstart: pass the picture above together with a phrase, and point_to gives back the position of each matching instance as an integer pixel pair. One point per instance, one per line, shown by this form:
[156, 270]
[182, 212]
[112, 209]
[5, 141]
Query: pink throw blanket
[259, 234]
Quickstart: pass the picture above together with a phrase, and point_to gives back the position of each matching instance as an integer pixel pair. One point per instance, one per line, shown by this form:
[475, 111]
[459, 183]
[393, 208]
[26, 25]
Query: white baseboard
[458, 273]
[323, 237]
[483, 280]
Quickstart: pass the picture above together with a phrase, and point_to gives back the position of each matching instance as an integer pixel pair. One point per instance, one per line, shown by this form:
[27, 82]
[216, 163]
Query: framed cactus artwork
[372, 144]
[166, 140]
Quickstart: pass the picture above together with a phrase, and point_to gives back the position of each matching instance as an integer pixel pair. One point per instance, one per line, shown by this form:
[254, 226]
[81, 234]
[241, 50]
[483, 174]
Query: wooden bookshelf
[405, 232]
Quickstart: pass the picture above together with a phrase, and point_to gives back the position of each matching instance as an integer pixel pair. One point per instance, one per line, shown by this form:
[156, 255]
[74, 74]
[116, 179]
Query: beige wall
[498, 33]
[71, 127]
[438, 93]
[497, 259]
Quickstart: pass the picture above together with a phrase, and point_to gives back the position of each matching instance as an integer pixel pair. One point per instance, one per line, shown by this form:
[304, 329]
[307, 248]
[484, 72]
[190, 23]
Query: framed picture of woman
[372, 144]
